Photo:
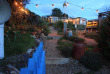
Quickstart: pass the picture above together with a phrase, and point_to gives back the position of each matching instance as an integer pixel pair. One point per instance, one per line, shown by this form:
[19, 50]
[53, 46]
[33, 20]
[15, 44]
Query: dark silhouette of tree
[56, 12]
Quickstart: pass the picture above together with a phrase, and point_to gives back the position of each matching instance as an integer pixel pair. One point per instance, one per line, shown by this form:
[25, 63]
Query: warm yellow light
[21, 3]
[36, 5]
[19, 7]
[16, 3]
[67, 3]
[22, 9]
[82, 8]
[52, 5]
[97, 11]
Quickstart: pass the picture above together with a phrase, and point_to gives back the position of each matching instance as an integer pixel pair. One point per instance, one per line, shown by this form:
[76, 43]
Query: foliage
[65, 47]
[59, 25]
[46, 31]
[56, 12]
[19, 45]
[104, 36]
[71, 26]
[81, 27]
[91, 60]
[75, 39]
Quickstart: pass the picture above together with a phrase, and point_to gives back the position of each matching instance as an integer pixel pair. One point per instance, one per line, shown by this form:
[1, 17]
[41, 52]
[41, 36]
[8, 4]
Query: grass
[20, 45]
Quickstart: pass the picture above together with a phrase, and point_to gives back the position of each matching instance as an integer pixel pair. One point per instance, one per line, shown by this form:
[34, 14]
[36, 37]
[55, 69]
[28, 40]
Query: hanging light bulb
[67, 3]
[22, 9]
[52, 5]
[82, 8]
[36, 5]
[21, 3]
[97, 11]
[16, 3]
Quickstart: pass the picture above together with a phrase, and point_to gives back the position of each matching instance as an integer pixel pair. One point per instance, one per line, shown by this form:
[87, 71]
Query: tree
[56, 12]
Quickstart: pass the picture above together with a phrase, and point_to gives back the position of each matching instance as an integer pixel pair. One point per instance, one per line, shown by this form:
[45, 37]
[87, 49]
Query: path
[90, 42]
[50, 45]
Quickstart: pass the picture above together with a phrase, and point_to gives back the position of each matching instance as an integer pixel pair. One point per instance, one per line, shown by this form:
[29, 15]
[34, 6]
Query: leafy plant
[91, 60]
[19, 46]
[65, 47]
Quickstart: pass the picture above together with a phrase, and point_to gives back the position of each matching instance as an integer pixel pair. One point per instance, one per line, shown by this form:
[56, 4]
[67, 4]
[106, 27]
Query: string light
[21, 3]
[82, 8]
[97, 11]
[36, 5]
[22, 9]
[67, 3]
[16, 3]
[52, 5]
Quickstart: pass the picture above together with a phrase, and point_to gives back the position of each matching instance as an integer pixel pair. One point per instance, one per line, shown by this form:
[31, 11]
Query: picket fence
[36, 64]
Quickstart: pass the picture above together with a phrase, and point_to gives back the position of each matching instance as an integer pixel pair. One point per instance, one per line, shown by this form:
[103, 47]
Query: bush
[59, 25]
[75, 39]
[91, 61]
[104, 36]
[20, 45]
[71, 26]
[46, 31]
[65, 47]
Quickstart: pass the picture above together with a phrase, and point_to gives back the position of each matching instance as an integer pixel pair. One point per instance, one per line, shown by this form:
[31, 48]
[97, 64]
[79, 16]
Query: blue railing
[36, 64]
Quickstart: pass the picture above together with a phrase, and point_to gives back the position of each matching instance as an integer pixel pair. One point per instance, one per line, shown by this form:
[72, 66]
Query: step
[57, 60]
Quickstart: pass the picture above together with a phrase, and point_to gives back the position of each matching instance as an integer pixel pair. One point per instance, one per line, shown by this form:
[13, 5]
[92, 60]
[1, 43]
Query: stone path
[90, 42]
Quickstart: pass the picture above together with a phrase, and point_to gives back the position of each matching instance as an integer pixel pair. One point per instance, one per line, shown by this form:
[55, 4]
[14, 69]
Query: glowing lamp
[36, 5]
[21, 3]
[67, 3]
[82, 8]
[52, 5]
[97, 11]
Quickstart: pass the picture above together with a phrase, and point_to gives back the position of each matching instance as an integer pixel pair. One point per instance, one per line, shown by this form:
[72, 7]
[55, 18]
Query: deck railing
[36, 64]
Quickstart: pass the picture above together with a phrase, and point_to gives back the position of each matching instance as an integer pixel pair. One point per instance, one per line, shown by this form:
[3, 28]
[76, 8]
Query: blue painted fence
[36, 64]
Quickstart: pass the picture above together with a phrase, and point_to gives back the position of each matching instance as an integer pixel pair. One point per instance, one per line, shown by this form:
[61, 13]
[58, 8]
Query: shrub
[59, 25]
[46, 31]
[20, 45]
[65, 47]
[71, 26]
[91, 60]
[104, 36]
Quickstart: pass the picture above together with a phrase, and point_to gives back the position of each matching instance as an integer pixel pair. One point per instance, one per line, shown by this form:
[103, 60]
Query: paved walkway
[90, 42]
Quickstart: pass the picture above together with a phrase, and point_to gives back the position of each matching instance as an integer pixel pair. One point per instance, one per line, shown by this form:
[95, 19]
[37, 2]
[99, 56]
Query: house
[53, 19]
[92, 25]
[79, 21]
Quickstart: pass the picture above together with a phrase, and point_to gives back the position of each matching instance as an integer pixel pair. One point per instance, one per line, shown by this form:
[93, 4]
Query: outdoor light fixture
[67, 3]
[97, 11]
[21, 3]
[16, 3]
[82, 8]
[36, 5]
[52, 5]
[5, 13]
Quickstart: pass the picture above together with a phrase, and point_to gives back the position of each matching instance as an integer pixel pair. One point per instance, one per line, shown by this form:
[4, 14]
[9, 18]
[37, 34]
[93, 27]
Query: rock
[38, 42]
[11, 70]
[29, 51]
